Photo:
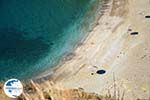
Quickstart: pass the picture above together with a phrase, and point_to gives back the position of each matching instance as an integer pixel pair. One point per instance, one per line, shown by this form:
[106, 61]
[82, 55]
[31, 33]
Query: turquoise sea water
[35, 34]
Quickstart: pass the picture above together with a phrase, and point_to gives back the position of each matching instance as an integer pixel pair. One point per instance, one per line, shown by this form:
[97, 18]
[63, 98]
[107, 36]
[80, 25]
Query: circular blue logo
[13, 88]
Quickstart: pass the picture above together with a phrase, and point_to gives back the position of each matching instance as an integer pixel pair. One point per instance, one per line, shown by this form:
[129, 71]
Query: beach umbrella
[100, 71]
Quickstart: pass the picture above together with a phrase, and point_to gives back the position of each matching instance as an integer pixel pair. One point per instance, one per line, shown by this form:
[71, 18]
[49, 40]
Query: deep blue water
[34, 34]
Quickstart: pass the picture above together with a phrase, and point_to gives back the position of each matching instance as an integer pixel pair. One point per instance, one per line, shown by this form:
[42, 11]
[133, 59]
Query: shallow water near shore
[35, 34]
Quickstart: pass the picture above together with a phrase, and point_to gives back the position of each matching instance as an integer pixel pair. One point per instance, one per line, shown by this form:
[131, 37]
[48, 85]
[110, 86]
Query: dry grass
[50, 91]
[34, 91]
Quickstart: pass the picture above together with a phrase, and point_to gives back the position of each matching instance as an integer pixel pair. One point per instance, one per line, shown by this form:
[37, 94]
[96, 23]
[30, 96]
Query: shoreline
[57, 73]
[70, 55]
[111, 47]
[105, 7]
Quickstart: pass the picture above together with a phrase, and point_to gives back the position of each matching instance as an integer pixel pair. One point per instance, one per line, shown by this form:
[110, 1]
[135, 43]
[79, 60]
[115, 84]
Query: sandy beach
[112, 47]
